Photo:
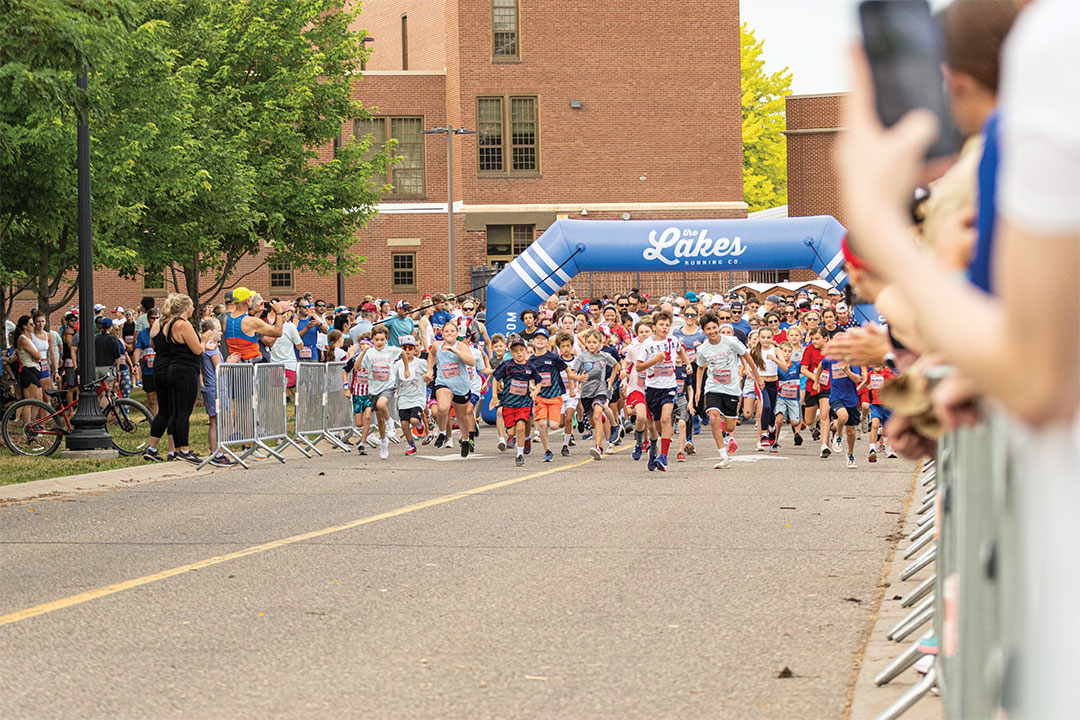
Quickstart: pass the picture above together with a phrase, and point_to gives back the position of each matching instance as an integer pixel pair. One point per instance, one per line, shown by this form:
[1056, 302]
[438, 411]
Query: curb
[97, 481]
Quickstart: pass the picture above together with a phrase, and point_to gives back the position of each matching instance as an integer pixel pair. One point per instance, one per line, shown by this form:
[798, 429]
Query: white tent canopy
[760, 287]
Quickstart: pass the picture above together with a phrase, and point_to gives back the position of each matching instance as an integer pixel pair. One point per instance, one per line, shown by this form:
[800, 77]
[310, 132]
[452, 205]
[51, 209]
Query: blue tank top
[452, 372]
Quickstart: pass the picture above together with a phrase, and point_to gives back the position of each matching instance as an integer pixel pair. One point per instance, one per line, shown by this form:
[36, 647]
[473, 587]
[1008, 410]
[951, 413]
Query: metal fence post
[235, 406]
[271, 413]
[337, 407]
[310, 402]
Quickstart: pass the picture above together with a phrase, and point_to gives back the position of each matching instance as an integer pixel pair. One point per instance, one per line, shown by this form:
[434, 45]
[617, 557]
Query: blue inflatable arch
[570, 247]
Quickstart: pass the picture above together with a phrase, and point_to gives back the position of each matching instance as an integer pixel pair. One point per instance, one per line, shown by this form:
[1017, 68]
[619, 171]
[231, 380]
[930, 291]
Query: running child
[719, 359]
[589, 368]
[547, 407]
[498, 356]
[816, 402]
[844, 401]
[572, 395]
[358, 390]
[516, 383]
[635, 385]
[659, 354]
[411, 391]
[448, 361]
[378, 360]
[879, 414]
[787, 394]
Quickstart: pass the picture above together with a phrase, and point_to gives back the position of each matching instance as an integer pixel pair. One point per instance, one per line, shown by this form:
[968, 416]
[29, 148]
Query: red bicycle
[34, 427]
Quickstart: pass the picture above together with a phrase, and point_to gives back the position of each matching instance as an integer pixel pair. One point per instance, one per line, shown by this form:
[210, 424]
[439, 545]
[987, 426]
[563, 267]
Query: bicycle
[128, 421]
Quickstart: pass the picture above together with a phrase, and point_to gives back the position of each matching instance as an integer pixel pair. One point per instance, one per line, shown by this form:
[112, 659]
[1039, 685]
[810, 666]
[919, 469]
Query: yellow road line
[254, 550]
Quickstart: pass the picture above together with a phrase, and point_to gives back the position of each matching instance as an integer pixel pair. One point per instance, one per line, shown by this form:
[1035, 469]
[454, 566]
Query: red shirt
[877, 379]
[811, 358]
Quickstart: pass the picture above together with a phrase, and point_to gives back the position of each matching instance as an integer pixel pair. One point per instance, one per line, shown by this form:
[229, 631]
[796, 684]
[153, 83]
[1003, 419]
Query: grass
[18, 468]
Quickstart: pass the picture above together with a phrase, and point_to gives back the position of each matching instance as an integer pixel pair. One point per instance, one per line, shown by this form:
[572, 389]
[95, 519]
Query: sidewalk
[869, 700]
[97, 481]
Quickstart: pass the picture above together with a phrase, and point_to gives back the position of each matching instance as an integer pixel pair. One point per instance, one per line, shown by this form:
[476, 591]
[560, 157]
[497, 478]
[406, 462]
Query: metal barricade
[309, 427]
[338, 410]
[235, 406]
[271, 411]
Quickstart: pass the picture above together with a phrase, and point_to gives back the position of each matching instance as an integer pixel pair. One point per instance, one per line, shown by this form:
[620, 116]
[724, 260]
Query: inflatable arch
[570, 247]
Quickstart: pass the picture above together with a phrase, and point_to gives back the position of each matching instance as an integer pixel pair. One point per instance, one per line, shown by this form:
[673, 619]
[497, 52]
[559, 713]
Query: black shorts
[852, 415]
[29, 376]
[458, 399]
[148, 383]
[656, 399]
[587, 403]
[71, 377]
[812, 400]
[408, 414]
[727, 405]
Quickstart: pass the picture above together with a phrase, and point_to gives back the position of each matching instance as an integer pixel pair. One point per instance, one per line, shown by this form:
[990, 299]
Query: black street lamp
[88, 424]
[450, 131]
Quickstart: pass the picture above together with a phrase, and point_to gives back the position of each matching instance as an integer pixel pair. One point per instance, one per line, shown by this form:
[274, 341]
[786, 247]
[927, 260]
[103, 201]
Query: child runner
[572, 394]
[879, 414]
[516, 382]
[844, 400]
[750, 383]
[816, 404]
[659, 354]
[768, 363]
[589, 368]
[411, 390]
[358, 390]
[547, 411]
[787, 394]
[476, 383]
[498, 356]
[635, 384]
[717, 362]
[378, 360]
[684, 409]
[448, 362]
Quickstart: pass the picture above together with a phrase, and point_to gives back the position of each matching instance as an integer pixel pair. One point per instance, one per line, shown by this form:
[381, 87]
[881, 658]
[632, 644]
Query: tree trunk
[191, 282]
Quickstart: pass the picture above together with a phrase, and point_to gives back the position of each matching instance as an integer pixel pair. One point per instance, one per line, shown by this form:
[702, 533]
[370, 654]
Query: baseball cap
[841, 306]
[69, 315]
[106, 322]
[118, 310]
[404, 305]
[775, 298]
[407, 340]
[368, 307]
[98, 307]
[229, 297]
[691, 296]
[541, 331]
[737, 305]
[516, 340]
[242, 294]
[834, 291]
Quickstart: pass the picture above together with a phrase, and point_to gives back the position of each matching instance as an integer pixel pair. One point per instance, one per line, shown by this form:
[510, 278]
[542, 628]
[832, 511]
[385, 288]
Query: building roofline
[839, 93]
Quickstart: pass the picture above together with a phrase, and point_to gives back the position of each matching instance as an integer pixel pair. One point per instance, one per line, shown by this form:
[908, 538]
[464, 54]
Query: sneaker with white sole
[384, 449]
[596, 452]
[732, 446]
[889, 452]
[502, 444]
[851, 462]
[724, 463]
[825, 451]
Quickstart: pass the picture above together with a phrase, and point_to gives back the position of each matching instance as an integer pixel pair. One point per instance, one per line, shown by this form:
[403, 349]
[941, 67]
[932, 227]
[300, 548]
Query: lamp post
[88, 424]
[450, 131]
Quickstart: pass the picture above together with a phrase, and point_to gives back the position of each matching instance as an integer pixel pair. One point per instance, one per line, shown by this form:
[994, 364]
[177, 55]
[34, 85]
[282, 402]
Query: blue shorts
[210, 403]
[656, 399]
[360, 404]
[788, 407]
[474, 398]
[880, 412]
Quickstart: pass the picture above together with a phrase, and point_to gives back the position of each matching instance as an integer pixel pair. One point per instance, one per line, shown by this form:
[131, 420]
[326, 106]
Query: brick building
[630, 114]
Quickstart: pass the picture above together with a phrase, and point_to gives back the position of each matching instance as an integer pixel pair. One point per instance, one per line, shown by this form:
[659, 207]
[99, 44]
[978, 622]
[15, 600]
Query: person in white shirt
[411, 391]
[378, 359]
[658, 355]
[718, 361]
[285, 348]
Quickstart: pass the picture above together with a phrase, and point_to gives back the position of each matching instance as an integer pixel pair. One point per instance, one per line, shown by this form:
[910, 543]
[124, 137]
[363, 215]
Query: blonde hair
[174, 304]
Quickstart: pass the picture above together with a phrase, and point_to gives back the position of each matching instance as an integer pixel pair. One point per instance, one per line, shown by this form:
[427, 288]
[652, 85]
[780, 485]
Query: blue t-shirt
[397, 328]
[209, 380]
[680, 380]
[549, 367]
[142, 343]
[308, 328]
[515, 379]
[743, 325]
[690, 341]
[979, 272]
[439, 318]
[842, 392]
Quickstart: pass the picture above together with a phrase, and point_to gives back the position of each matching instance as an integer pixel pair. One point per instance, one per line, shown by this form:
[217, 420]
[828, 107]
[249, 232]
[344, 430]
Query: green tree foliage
[764, 146]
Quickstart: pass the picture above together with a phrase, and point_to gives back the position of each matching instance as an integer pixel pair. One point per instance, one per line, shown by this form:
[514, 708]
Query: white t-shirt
[768, 359]
[662, 374]
[284, 348]
[721, 363]
[411, 391]
[475, 383]
[379, 365]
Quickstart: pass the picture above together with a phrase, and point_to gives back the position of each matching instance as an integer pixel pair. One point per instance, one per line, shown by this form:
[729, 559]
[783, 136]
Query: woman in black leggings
[176, 375]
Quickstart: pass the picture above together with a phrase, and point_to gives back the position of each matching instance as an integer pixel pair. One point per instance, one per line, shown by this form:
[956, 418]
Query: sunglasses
[689, 314]
[774, 321]
[319, 305]
[624, 304]
[468, 309]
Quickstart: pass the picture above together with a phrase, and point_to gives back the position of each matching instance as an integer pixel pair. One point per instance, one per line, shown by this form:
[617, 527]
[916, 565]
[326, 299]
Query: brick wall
[427, 33]
[813, 184]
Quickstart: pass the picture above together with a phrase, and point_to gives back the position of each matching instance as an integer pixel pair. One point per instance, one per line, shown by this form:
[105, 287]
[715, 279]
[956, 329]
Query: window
[504, 30]
[506, 242]
[153, 280]
[404, 41]
[403, 270]
[281, 276]
[508, 137]
[407, 175]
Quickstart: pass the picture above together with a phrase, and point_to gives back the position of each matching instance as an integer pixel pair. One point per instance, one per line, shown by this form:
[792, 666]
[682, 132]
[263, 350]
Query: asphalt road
[591, 590]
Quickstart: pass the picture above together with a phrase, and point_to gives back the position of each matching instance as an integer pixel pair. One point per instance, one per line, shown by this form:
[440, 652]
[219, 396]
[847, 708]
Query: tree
[256, 88]
[764, 146]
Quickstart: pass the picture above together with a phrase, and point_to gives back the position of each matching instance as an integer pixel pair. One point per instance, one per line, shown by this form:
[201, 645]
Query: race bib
[305, 353]
[838, 373]
[789, 389]
[545, 379]
[150, 361]
[722, 377]
[69, 363]
[877, 381]
[691, 352]
[129, 339]
[450, 370]
[44, 365]
[519, 387]
[680, 384]
[663, 369]
[380, 373]
[122, 361]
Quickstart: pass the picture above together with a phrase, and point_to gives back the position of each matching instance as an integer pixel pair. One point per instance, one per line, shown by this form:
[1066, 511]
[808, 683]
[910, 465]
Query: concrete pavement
[384, 589]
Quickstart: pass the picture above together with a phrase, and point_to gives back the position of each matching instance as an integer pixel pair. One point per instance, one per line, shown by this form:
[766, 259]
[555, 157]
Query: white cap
[118, 310]
[841, 306]
[407, 340]
[98, 306]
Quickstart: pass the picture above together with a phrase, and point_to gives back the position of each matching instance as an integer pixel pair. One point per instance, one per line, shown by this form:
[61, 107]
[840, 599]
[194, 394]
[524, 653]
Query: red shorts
[634, 398]
[290, 378]
[864, 395]
[512, 415]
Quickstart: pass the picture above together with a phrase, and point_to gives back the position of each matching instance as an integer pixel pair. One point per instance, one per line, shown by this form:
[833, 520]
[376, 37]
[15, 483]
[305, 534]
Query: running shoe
[825, 451]
[528, 445]
[440, 441]
[519, 460]
[587, 434]
[873, 456]
[661, 462]
[512, 442]
[636, 453]
[222, 461]
[411, 450]
[652, 458]
[384, 449]
[610, 448]
[815, 432]
[838, 444]
[548, 457]
[798, 440]
[889, 452]
[573, 442]
[762, 446]
[427, 439]
[614, 436]
[881, 448]
[732, 446]
[188, 456]
[152, 455]
[724, 463]
[565, 451]
[680, 458]
[689, 448]
[465, 448]
[170, 456]
[774, 448]
[596, 452]
[360, 449]
[502, 444]
[851, 462]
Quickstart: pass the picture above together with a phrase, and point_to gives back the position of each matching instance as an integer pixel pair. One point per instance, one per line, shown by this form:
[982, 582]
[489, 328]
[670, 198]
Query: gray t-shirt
[721, 363]
[593, 365]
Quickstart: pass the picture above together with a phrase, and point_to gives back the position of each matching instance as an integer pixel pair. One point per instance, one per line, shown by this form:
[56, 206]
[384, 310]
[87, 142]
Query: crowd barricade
[271, 411]
[975, 510]
[235, 408]
[311, 399]
[338, 423]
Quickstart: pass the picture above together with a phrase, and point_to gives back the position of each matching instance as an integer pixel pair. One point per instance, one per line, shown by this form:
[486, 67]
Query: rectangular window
[506, 242]
[406, 176]
[508, 135]
[153, 280]
[403, 269]
[404, 41]
[281, 276]
[504, 29]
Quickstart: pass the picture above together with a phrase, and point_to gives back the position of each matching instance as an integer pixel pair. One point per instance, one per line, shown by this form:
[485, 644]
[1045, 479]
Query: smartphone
[903, 46]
